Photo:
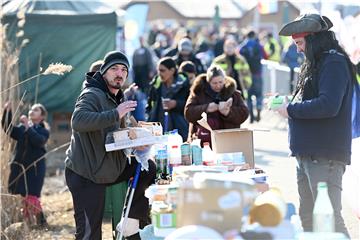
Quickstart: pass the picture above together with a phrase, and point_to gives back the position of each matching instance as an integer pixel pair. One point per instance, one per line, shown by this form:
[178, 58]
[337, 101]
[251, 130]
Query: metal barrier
[276, 78]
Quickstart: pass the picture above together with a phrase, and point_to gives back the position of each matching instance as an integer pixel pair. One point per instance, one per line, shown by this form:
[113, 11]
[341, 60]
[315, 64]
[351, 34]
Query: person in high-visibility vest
[272, 48]
[235, 66]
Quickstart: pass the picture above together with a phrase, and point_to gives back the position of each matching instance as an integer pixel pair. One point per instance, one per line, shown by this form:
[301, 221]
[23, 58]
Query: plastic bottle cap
[174, 146]
[322, 184]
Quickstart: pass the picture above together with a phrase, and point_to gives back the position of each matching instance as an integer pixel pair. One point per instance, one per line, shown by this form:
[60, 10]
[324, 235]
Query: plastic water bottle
[174, 148]
[323, 213]
[162, 166]
[296, 224]
[208, 156]
[196, 152]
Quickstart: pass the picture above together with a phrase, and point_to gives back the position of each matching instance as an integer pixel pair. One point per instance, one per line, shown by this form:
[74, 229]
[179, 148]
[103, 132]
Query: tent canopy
[57, 7]
[75, 33]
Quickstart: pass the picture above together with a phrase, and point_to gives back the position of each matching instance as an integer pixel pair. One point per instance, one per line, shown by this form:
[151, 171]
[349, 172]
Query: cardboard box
[132, 137]
[234, 140]
[135, 143]
[231, 140]
[217, 208]
[154, 127]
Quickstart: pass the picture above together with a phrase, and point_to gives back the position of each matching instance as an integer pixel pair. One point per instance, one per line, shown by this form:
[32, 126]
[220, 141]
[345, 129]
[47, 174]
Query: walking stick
[128, 205]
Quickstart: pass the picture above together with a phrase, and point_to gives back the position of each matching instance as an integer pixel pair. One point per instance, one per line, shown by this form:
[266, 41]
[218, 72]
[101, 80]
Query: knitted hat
[185, 45]
[306, 24]
[112, 58]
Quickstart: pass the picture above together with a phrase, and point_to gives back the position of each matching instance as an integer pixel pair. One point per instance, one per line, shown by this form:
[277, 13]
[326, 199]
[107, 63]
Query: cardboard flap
[203, 122]
[232, 130]
[133, 121]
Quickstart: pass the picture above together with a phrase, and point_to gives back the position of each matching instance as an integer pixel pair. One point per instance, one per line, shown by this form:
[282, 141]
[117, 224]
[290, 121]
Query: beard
[116, 83]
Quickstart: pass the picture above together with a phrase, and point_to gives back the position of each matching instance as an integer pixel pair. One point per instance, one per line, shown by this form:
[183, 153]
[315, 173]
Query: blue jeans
[139, 112]
[256, 90]
[310, 171]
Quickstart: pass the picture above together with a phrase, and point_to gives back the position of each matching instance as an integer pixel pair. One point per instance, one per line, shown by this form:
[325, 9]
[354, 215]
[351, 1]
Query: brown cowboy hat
[307, 23]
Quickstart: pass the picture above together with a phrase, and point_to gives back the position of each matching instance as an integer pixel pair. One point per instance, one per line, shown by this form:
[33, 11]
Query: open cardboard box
[231, 140]
[217, 208]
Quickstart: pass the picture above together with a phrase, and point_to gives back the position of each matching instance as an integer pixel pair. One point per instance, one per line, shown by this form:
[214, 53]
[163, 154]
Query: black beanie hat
[112, 58]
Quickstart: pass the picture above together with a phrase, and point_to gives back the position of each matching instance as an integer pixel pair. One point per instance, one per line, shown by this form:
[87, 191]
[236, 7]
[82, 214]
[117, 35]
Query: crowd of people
[174, 83]
[238, 54]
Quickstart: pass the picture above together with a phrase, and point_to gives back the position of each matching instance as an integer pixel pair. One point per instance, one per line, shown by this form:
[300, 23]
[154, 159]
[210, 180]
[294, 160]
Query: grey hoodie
[94, 116]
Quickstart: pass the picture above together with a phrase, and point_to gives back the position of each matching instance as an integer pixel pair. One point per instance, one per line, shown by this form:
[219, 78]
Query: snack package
[131, 137]
[278, 100]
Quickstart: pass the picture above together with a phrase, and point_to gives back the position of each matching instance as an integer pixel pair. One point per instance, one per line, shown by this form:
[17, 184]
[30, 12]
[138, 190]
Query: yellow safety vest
[240, 65]
[276, 56]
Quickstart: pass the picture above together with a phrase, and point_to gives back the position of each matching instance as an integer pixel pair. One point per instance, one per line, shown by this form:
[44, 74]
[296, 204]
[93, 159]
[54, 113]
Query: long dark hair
[316, 45]
[169, 63]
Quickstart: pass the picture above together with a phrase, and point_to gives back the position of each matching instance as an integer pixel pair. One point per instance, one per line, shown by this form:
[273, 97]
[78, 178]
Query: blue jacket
[292, 58]
[179, 91]
[253, 52]
[30, 147]
[320, 125]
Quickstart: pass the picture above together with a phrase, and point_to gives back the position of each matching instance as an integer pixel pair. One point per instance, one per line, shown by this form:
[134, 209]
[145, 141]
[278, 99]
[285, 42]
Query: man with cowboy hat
[319, 114]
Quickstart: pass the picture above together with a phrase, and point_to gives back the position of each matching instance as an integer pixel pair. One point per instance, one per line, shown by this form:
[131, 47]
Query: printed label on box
[231, 200]
[193, 197]
[166, 220]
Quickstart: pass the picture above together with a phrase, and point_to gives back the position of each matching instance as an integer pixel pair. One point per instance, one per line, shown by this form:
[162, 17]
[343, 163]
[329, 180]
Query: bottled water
[174, 148]
[323, 213]
[208, 156]
[162, 166]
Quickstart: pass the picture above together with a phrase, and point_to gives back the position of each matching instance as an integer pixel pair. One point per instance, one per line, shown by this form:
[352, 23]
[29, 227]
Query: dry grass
[10, 204]
[12, 225]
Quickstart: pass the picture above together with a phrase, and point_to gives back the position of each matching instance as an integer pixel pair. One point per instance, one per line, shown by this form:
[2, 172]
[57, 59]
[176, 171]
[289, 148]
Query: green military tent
[75, 33]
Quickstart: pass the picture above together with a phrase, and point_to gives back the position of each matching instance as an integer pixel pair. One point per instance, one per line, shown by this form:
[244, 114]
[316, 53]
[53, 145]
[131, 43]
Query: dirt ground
[57, 204]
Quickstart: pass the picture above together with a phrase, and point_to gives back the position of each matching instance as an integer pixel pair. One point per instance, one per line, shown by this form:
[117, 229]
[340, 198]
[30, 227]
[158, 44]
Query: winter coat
[273, 50]
[253, 52]
[200, 97]
[320, 125]
[292, 58]
[197, 62]
[142, 67]
[30, 148]
[179, 91]
[239, 70]
[94, 116]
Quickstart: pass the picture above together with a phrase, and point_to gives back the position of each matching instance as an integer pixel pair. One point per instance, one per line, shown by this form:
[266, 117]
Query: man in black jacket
[99, 110]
